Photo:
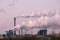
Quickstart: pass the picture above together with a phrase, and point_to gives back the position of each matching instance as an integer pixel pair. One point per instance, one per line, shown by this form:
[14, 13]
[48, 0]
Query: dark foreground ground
[32, 37]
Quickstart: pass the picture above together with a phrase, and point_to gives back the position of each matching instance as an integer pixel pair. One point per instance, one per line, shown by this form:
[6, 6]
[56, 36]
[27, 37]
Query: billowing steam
[48, 18]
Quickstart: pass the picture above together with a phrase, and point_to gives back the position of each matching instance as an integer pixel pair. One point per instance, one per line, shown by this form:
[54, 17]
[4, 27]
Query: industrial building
[42, 32]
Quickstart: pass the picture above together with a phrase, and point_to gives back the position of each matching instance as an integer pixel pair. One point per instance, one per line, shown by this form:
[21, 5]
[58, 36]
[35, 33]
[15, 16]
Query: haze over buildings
[49, 10]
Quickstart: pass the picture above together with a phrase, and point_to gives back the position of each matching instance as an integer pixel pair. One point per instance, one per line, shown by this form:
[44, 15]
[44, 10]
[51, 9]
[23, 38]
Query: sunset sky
[13, 8]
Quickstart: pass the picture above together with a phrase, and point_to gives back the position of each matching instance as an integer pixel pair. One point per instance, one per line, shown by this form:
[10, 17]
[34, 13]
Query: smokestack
[14, 21]
[14, 26]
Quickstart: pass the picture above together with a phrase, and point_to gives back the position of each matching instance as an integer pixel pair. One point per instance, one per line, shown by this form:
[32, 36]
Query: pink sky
[12, 8]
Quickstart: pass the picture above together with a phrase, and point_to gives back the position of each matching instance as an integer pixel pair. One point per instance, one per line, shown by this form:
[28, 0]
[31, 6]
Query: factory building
[42, 32]
[10, 33]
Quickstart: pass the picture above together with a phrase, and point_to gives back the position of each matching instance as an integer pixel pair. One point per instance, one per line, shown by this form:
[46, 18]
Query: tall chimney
[14, 21]
[14, 26]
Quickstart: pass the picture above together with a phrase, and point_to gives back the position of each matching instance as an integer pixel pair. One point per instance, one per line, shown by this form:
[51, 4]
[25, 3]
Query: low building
[42, 32]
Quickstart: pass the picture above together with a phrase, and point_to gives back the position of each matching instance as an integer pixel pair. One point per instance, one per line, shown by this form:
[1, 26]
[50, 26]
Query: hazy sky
[12, 8]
